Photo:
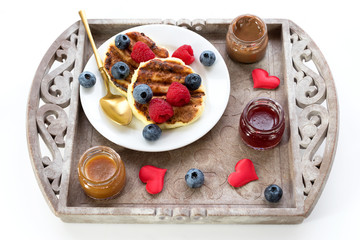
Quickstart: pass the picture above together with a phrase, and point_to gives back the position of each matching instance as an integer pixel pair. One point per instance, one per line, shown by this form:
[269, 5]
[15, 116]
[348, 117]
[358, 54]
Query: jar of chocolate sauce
[101, 172]
[262, 123]
[247, 39]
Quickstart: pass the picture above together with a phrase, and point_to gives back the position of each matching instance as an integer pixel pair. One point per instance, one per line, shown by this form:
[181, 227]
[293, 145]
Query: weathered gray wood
[321, 113]
[55, 117]
[35, 129]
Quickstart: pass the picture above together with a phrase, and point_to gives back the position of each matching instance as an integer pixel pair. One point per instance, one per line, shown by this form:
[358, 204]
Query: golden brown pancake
[114, 55]
[159, 74]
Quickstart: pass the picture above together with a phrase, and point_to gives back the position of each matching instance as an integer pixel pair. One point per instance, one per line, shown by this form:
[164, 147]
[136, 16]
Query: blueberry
[193, 81]
[87, 79]
[151, 132]
[194, 178]
[120, 70]
[122, 41]
[142, 93]
[207, 58]
[273, 193]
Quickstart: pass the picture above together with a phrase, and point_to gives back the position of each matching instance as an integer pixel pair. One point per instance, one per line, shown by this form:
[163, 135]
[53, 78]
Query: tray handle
[318, 119]
[52, 111]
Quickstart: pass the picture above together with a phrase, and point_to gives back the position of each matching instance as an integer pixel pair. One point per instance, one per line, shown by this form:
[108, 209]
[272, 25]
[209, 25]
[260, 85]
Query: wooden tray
[58, 133]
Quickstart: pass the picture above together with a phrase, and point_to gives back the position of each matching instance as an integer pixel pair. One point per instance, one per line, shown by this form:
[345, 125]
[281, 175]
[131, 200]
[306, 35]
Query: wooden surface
[58, 133]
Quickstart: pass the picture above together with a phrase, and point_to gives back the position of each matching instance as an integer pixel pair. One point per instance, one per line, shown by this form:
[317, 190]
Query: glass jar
[262, 123]
[101, 172]
[247, 39]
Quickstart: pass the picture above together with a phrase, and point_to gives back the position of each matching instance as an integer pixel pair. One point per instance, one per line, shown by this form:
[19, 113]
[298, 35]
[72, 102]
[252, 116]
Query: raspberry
[141, 52]
[185, 53]
[178, 95]
[160, 110]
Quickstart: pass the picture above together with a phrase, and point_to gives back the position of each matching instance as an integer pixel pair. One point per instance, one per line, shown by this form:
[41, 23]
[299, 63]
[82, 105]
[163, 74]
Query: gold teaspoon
[116, 107]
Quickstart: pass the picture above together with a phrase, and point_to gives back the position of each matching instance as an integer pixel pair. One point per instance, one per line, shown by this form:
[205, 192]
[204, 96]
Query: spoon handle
[91, 39]
[99, 62]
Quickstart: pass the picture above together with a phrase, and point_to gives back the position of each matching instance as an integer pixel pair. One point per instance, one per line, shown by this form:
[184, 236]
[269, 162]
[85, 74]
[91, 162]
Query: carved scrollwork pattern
[196, 25]
[52, 124]
[310, 87]
[55, 87]
[313, 127]
[51, 117]
[313, 119]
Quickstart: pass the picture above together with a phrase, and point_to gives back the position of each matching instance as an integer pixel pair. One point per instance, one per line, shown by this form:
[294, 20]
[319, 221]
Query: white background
[28, 28]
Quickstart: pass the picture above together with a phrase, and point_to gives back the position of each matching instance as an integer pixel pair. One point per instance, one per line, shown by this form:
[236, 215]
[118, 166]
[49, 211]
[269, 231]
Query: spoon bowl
[116, 107]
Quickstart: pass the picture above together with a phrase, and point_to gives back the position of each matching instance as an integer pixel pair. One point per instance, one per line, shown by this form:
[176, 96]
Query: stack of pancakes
[158, 73]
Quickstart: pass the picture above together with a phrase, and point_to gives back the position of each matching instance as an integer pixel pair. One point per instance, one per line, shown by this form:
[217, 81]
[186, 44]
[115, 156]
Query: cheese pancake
[159, 74]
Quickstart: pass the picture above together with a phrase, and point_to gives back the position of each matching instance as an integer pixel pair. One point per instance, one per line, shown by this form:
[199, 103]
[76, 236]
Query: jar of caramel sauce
[262, 123]
[101, 172]
[247, 39]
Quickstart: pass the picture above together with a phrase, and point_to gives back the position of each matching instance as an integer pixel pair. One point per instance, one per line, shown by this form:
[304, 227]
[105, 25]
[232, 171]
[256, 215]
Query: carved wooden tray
[58, 133]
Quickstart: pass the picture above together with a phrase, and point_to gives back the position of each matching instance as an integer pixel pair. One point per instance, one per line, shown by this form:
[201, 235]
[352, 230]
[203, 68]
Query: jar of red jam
[101, 172]
[262, 123]
[247, 39]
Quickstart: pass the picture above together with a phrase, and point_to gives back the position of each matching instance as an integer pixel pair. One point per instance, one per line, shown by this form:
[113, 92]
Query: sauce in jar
[101, 172]
[262, 123]
[100, 168]
[247, 39]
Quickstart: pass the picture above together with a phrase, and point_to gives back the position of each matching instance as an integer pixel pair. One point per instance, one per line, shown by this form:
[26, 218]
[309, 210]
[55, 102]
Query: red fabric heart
[262, 79]
[153, 177]
[244, 173]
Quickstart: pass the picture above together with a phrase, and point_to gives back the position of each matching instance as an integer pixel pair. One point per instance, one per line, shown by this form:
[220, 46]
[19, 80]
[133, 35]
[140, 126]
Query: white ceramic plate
[215, 79]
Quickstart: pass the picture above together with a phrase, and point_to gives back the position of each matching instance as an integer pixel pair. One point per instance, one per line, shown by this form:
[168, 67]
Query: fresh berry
[273, 193]
[193, 81]
[87, 79]
[151, 132]
[142, 93]
[207, 58]
[185, 53]
[160, 110]
[178, 95]
[120, 70]
[122, 41]
[141, 52]
[194, 178]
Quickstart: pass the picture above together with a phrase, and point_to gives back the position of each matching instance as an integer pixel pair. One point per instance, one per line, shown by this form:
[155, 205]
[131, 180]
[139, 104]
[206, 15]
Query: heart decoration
[153, 177]
[244, 173]
[262, 79]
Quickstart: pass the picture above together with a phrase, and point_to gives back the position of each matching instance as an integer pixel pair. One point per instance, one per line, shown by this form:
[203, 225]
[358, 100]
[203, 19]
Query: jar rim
[98, 150]
[235, 20]
[279, 109]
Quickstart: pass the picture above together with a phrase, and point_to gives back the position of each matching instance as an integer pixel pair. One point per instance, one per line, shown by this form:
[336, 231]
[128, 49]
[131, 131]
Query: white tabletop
[30, 27]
